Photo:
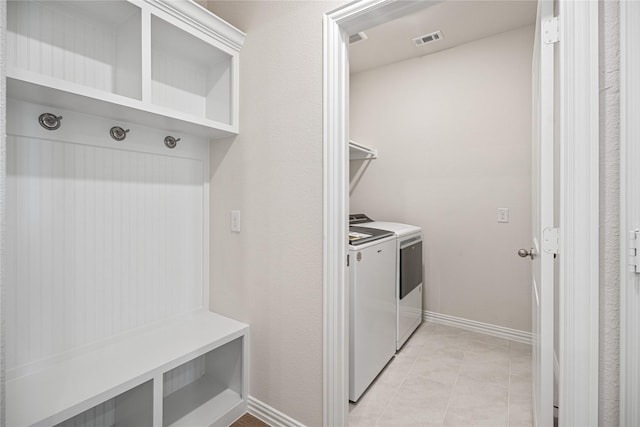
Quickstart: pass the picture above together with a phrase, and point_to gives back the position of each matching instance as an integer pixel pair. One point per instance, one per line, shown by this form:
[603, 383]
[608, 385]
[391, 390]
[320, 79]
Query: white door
[542, 217]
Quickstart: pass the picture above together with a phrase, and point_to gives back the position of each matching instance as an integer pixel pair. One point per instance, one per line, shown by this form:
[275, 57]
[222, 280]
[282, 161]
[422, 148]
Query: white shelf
[70, 96]
[166, 64]
[74, 385]
[361, 152]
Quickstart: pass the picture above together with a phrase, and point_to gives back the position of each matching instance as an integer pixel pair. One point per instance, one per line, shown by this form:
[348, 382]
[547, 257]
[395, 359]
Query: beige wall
[270, 275]
[453, 134]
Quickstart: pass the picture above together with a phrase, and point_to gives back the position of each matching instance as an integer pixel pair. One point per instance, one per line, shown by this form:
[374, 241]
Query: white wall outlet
[503, 215]
[235, 221]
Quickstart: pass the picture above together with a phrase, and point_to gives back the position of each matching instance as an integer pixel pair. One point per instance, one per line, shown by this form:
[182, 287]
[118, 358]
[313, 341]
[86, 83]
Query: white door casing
[542, 188]
[630, 212]
[350, 19]
[579, 115]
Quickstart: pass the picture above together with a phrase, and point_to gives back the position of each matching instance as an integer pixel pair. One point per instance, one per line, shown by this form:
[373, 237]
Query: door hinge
[550, 30]
[634, 251]
[550, 240]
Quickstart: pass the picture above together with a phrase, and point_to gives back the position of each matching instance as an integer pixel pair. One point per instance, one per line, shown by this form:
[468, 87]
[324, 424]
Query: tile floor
[446, 376]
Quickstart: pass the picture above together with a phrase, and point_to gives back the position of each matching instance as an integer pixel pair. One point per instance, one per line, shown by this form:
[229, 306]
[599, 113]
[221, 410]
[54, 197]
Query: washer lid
[361, 235]
[397, 228]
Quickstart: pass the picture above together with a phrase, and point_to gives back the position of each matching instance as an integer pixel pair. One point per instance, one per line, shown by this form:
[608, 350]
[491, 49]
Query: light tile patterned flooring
[445, 376]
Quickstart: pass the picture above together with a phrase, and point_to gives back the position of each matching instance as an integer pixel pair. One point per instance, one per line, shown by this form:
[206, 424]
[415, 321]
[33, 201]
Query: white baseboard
[483, 328]
[270, 415]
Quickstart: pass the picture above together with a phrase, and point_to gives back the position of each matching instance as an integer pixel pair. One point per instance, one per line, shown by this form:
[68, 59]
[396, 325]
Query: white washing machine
[409, 283]
[372, 305]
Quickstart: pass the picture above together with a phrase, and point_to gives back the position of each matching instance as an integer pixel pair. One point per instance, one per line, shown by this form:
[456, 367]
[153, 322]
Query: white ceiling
[460, 21]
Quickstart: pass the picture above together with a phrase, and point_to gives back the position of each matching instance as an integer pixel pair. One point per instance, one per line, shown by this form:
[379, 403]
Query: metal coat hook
[49, 121]
[170, 142]
[118, 133]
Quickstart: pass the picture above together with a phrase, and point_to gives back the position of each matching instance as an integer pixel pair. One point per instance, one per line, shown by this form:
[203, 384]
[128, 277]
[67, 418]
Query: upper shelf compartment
[168, 64]
[86, 44]
[188, 75]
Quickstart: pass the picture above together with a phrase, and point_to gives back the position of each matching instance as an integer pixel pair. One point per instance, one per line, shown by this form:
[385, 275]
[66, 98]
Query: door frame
[579, 117]
[629, 210]
[579, 203]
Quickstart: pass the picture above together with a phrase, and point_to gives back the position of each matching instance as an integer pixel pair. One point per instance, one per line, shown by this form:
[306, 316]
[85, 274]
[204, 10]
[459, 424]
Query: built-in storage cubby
[77, 44]
[133, 408]
[196, 80]
[207, 384]
[111, 106]
[159, 63]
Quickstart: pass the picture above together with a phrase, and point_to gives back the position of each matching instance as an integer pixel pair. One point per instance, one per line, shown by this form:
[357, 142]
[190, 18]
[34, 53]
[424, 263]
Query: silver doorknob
[525, 253]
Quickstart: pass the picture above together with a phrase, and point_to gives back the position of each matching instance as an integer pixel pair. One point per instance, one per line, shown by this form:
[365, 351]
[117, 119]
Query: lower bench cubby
[189, 371]
[133, 408]
[204, 388]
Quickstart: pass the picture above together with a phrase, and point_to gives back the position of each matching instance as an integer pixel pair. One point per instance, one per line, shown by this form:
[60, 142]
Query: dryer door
[410, 265]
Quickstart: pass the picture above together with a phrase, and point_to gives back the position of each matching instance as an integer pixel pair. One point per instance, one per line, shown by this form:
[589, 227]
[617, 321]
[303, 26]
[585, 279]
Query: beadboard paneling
[102, 415]
[184, 375]
[102, 240]
[62, 40]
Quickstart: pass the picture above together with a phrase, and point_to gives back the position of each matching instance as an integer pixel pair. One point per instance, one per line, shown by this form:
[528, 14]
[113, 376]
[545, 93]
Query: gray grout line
[446, 410]
[397, 389]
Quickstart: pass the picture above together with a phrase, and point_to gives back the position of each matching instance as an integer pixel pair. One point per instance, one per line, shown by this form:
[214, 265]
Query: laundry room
[452, 134]
[440, 138]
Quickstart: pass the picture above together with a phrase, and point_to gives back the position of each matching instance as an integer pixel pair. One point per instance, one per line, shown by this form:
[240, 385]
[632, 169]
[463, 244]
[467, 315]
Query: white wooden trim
[197, 16]
[579, 207]
[364, 14]
[335, 179]
[480, 327]
[3, 198]
[270, 415]
[337, 25]
[335, 198]
[629, 210]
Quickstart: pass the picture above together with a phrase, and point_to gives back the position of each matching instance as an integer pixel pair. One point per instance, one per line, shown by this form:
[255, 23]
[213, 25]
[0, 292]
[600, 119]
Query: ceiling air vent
[428, 38]
[358, 37]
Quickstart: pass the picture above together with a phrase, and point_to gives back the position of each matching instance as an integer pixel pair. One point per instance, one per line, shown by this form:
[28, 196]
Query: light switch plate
[503, 215]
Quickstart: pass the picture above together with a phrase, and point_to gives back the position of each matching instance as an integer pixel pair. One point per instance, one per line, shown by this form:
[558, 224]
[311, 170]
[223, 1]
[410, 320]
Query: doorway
[574, 314]
[451, 122]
